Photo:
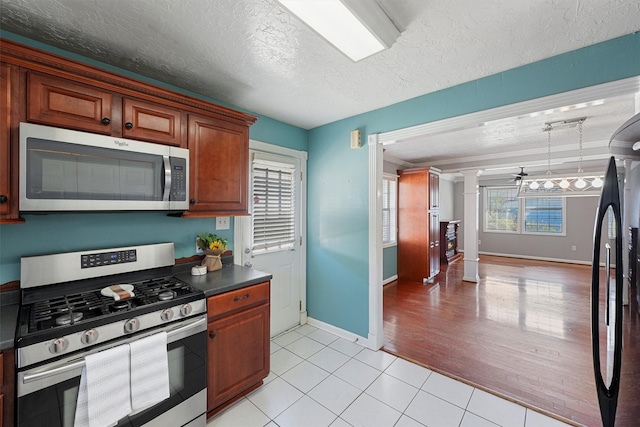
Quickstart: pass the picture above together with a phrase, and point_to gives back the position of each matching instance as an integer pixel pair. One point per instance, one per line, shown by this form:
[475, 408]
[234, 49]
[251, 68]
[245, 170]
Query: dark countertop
[229, 278]
[9, 304]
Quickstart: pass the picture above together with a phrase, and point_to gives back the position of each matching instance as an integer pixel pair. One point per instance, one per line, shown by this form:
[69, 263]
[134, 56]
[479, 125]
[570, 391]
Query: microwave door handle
[167, 178]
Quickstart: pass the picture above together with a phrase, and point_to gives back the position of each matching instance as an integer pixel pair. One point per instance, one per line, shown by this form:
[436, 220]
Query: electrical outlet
[479, 242]
[573, 248]
[222, 223]
[199, 250]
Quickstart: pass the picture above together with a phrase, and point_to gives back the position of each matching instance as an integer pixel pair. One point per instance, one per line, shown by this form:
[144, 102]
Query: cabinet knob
[128, 125]
[106, 121]
[192, 201]
[212, 334]
[3, 198]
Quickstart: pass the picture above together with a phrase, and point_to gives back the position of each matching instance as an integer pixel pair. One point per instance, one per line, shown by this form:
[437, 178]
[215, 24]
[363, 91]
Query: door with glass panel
[272, 237]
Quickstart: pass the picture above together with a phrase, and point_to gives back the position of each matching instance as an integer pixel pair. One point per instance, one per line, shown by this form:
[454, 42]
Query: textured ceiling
[254, 55]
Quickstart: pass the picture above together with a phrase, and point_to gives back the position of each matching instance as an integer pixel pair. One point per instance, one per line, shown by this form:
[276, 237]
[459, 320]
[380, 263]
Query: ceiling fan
[518, 176]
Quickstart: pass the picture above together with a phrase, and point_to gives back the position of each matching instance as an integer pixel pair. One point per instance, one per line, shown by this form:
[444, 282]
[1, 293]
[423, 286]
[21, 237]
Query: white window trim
[521, 209]
[392, 177]
[484, 212]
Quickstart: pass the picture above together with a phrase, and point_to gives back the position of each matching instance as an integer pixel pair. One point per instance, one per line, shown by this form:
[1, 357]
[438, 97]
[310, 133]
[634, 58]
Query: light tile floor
[319, 379]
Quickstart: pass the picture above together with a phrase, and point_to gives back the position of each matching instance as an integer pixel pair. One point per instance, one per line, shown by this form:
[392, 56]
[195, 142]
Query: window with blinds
[389, 211]
[273, 209]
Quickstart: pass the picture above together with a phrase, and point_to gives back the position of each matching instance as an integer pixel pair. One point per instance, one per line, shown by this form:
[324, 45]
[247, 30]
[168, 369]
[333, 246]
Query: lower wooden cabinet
[7, 387]
[238, 344]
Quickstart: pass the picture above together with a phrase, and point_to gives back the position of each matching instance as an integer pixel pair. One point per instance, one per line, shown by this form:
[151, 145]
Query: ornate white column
[471, 219]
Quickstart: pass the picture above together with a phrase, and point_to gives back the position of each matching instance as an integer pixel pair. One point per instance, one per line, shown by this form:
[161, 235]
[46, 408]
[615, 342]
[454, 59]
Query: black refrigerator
[615, 327]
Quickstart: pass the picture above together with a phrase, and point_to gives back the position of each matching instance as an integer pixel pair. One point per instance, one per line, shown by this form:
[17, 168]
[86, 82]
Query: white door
[272, 237]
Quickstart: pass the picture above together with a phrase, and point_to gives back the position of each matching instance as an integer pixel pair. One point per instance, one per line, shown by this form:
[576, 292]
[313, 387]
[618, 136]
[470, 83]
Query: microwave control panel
[178, 179]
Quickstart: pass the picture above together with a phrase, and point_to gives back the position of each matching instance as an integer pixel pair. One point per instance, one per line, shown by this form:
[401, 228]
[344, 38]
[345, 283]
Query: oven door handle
[172, 335]
[52, 372]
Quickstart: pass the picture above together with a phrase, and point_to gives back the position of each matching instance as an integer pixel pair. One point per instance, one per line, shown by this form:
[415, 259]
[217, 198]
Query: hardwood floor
[522, 332]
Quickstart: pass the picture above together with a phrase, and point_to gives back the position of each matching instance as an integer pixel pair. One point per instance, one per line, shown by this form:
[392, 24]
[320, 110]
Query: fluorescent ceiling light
[357, 28]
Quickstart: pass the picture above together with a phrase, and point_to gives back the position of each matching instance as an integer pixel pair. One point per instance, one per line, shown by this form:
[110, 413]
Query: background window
[273, 216]
[544, 215]
[501, 209]
[505, 212]
[389, 211]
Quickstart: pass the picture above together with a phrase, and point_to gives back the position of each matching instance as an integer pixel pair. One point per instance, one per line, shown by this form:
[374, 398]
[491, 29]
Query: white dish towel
[149, 371]
[103, 397]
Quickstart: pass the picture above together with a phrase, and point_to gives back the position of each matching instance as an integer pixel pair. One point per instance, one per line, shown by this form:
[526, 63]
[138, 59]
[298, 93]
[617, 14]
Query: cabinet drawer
[1, 369]
[235, 300]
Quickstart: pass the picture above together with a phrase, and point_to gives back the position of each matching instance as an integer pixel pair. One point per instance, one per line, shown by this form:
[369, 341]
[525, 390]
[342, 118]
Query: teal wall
[42, 234]
[389, 262]
[337, 279]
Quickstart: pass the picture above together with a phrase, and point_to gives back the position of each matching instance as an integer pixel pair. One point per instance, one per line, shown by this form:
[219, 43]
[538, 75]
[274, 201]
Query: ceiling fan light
[597, 182]
[580, 183]
[534, 185]
[548, 184]
[564, 184]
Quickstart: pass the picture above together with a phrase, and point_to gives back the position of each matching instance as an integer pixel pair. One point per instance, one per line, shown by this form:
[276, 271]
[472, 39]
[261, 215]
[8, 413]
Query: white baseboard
[390, 279]
[349, 336]
[538, 258]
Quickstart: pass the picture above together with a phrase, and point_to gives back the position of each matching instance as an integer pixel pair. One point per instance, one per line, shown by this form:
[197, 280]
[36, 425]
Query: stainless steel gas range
[78, 304]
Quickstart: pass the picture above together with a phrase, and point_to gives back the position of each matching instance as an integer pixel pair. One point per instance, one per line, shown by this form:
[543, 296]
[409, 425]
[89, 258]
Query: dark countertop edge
[230, 278]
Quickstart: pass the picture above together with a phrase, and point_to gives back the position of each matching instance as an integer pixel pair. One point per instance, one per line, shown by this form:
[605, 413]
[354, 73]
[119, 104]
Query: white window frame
[520, 228]
[393, 207]
[485, 209]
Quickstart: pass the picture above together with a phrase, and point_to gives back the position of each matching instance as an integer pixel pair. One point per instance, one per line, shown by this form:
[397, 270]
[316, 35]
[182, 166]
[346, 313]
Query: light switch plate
[222, 223]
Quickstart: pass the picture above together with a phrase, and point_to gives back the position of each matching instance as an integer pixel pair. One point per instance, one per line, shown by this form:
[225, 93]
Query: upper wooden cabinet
[43, 88]
[152, 122]
[5, 137]
[59, 102]
[219, 162]
[434, 190]
[64, 103]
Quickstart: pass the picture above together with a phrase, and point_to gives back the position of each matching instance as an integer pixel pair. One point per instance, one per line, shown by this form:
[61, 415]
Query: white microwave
[63, 170]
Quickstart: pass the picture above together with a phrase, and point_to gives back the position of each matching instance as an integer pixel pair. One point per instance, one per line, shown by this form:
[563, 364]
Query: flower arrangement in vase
[213, 246]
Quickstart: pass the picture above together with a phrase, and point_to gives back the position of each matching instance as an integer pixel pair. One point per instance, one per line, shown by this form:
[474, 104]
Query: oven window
[55, 405]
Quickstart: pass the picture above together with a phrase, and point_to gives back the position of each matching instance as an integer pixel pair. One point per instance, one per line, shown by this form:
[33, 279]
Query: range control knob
[89, 337]
[131, 325]
[166, 315]
[185, 310]
[58, 345]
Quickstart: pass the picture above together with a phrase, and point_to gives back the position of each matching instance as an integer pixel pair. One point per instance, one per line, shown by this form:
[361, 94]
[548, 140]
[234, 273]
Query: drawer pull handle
[241, 298]
[212, 334]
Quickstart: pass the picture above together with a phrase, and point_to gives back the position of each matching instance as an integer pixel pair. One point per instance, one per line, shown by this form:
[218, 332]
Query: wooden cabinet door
[219, 161]
[434, 191]
[152, 122]
[60, 102]
[5, 139]
[434, 244]
[237, 354]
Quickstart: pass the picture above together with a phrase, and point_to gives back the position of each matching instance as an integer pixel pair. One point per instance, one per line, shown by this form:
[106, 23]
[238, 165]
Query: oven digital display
[101, 259]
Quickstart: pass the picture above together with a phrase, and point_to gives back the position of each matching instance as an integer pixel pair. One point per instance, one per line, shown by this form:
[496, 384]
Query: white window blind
[273, 209]
[389, 215]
